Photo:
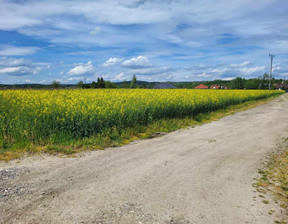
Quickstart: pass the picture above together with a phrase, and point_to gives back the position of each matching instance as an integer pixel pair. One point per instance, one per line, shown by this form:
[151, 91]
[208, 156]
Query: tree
[264, 81]
[252, 84]
[133, 82]
[143, 86]
[125, 84]
[80, 84]
[102, 83]
[238, 83]
[110, 85]
[55, 84]
[94, 85]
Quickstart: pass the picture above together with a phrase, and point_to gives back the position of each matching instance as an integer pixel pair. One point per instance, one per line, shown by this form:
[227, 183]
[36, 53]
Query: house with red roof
[281, 86]
[201, 86]
[214, 87]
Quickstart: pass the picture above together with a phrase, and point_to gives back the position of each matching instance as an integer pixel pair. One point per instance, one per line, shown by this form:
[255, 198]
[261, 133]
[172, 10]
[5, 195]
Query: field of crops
[40, 117]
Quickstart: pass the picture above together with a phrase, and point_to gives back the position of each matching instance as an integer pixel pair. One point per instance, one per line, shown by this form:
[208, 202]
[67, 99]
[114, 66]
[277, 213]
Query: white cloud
[8, 50]
[7, 61]
[276, 68]
[19, 71]
[204, 75]
[228, 78]
[10, 21]
[122, 12]
[249, 71]
[237, 70]
[75, 79]
[15, 70]
[137, 62]
[82, 69]
[220, 70]
[111, 61]
[119, 77]
[245, 63]
[15, 16]
[20, 66]
[205, 33]
[95, 31]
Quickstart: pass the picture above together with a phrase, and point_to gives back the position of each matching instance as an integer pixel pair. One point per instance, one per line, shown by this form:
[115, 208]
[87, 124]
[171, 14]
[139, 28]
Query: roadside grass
[115, 137]
[274, 178]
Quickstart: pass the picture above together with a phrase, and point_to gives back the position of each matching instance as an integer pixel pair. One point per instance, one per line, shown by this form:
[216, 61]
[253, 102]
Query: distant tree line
[261, 82]
[100, 84]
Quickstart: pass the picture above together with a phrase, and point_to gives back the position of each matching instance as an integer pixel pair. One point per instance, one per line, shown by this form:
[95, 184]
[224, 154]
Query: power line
[270, 76]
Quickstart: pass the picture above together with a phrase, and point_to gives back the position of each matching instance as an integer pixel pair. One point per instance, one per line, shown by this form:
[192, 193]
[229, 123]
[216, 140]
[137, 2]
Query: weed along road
[196, 175]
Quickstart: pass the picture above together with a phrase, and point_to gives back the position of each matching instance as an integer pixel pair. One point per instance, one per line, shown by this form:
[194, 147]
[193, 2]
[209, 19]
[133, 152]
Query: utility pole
[271, 56]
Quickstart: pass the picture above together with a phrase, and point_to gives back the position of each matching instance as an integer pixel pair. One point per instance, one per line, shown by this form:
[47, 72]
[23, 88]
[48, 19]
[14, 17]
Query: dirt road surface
[196, 175]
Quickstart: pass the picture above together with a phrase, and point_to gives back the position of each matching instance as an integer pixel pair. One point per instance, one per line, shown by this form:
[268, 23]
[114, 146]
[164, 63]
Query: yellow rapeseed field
[39, 116]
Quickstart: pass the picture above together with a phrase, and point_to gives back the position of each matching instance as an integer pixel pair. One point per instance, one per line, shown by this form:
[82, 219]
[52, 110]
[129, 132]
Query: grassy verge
[274, 179]
[114, 137]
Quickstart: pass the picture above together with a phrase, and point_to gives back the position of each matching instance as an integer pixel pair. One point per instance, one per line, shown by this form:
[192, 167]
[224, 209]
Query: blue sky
[171, 40]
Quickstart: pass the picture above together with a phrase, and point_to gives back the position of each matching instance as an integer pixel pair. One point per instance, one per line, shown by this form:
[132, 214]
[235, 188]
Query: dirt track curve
[195, 175]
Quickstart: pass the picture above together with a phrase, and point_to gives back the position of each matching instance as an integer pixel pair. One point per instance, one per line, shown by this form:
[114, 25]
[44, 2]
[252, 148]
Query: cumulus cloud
[205, 33]
[20, 66]
[8, 50]
[119, 77]
[173, 22]
[137, 62]
[227, 72]
[8, 61]
[22, 70]
[111, 61]
[232, 70]
[276, 67]
[82, 69]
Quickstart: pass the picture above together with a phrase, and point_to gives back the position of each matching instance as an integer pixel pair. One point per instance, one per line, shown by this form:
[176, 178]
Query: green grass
[117, 137]
[274, 178]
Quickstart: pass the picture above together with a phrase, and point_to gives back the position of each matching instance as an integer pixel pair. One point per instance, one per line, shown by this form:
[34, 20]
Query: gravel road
[196, 175]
